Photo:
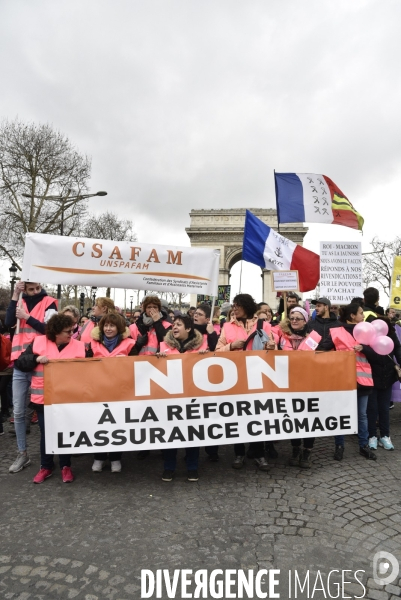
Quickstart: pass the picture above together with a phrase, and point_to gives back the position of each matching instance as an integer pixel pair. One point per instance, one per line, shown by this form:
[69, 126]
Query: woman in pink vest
[57, 343]
[342, 339]
[293, 335]
[110, 338]
[182, 338]
[235, 337]
[151, 327]
[102, 306]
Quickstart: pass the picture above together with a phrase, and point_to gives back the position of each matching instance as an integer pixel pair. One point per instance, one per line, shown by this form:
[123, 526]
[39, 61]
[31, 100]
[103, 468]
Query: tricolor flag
[265, 247]
[310, 198]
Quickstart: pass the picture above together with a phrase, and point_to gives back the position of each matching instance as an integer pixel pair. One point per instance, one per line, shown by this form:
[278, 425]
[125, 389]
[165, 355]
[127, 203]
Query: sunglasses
[296, 319]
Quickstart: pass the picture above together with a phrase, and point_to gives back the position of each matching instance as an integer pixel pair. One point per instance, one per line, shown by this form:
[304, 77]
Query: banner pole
[19, 303]
[212, 309]
[285, 304]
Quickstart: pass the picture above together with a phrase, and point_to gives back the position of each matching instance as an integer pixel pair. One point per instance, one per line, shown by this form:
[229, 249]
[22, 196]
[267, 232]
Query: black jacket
[212, 338]
[157, 325]
[31, 302]
[322, 327]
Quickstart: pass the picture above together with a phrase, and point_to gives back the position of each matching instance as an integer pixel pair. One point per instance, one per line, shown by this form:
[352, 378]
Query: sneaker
[34, 419]
[373, 443]
[115, 466]
[368, 453]
[67, 475]
[42, 475]
[339, 453]
[20, 462]
[238, 462]
[385, 442]
[167, 475]
[262, 463]
[193, 476]
[296, 455]
[305, 459]
[391, 405]
[98, 466]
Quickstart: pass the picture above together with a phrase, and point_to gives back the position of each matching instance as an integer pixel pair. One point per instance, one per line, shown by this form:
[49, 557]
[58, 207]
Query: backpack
[259, 337]
[5, 352]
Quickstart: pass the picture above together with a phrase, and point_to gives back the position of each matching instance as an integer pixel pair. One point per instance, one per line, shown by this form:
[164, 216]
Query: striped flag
[310, 198]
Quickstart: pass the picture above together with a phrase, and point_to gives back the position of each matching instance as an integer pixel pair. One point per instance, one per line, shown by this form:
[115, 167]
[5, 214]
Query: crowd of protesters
[37, 333]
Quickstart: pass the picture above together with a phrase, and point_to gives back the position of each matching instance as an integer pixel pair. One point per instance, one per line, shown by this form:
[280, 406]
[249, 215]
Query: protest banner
[341, 271]
[223, 295]
[138, 403]
[285, 281]
[105, 263]
[395, 296]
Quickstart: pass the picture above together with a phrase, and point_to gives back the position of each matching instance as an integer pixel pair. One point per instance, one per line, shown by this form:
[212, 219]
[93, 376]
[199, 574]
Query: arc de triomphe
[223, 229]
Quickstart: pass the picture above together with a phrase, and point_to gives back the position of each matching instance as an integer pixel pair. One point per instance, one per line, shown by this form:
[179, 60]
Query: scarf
[110, 343]
[148, 321]
[296, 337]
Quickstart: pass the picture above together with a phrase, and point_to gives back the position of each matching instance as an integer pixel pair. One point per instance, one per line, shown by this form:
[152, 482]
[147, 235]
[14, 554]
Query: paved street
[90, 539]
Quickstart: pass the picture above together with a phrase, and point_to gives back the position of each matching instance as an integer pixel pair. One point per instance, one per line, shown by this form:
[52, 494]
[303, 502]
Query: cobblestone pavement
[90, 539]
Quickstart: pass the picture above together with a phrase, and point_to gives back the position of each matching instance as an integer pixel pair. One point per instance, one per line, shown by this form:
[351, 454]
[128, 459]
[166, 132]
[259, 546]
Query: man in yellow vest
[371, 308]
[35, 310]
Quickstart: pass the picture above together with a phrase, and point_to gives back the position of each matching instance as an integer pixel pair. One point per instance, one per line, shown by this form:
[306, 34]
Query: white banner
[140, 403]
[341, 271]
[133, 265]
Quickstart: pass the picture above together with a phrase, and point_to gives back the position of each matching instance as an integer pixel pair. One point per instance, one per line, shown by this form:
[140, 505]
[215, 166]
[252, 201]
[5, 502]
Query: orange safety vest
[343, 340]
[233, 332]
[44, 347]
[152, 345]
[168, 350]
[314, 337]
[122, 349]
[86, 332]
[27, 333]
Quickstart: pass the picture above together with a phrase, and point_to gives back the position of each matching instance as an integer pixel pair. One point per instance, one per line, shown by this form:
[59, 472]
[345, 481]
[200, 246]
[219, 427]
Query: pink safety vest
[168, 350]
[233, 332]
[152, 345]
[27, 334]
[133, 329]
[311, 345]
[86, 332]
[122, 349]
[343, 340]
[44, 347]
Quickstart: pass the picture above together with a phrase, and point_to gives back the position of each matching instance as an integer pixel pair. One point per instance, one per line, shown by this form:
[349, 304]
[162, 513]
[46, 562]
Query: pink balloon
[364, 333]
[380, 327]
[383, 345]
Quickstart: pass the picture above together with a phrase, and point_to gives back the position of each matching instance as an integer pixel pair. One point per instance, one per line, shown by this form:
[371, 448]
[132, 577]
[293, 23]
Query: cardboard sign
[341, 271]
[285, 281]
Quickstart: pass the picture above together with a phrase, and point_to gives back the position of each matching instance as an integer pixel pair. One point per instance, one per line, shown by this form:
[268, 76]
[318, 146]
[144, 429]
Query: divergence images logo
[385, 568]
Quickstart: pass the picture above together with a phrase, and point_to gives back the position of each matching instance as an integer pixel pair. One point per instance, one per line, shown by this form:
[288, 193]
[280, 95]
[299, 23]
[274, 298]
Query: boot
[296, 455]
[305, 460]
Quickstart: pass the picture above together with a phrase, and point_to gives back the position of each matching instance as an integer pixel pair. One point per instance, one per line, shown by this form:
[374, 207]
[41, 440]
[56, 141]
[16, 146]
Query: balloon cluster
[374, 334]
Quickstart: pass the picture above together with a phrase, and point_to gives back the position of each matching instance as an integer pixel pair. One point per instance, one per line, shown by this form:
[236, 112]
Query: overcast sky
[192, 103]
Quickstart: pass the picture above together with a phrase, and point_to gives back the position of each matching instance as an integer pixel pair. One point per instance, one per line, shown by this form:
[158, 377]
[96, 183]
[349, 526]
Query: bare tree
[108, 226]
[36, 163]
[378, 264]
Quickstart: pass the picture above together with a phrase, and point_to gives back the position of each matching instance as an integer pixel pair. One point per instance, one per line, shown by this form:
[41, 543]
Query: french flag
[264, 247]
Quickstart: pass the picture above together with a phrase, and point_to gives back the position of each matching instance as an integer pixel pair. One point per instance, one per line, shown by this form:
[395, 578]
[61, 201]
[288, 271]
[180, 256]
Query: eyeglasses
[296, 319]
[199, 314]
[68, 331]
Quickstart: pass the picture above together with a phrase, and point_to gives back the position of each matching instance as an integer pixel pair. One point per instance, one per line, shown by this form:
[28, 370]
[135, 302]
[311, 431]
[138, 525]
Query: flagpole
[275, 191]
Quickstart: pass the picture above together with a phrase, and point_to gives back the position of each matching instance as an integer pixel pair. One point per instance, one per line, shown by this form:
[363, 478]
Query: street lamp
[66, 202]
[131, 299]
[94, 288]
[13, 269]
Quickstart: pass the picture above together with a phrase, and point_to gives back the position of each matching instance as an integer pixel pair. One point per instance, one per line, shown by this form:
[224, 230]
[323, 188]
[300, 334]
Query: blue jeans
[47, 460]
[363, 433]
[379, 404]
[21, 396]
[170, 458]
